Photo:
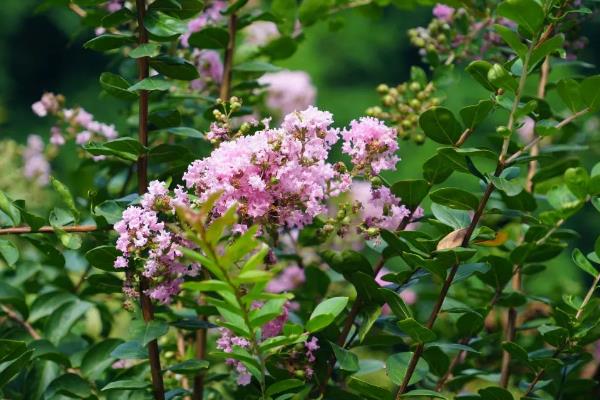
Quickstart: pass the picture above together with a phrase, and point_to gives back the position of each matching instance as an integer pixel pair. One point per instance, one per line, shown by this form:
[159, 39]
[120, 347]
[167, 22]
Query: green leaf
[47, 303]
[127, 384]
[590, 92]
[285, 11]
[9, 252]
[62, 320]
[500, 77]
[582, 262]
[71, 385]
[125, 148]
[416, 331]
[549, 46]
[479, 71]
[569, 92]
[435, 169]
[469, 324]
[455, 198]
[440, 125]
[208, 286]
[397, 365]
[13, 367]
[103, 257]
[145, 332]
[116, 85]
[397, 305]
[108, 42]
[512, 39]
[8, 208]
[280, 48]
[528, 14]
[174, 67]
[283, 386]
[209, 38]
[311, 10]
[150, 84]
[256, 66]
[517, 352]
[65, 195]
[130, 351]
[457, 219]
[411, 192]
[347, 261]
[424, 393]
[475, 114]
[325, 313]
[145, 50]
[163, 25]
[369, 390]
[98, 358]
[186, 132]
[495, 393]
[189, 367]
[347, 360]
[511, 188]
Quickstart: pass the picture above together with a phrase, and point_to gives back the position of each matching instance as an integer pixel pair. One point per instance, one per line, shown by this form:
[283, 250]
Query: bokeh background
[41, 50]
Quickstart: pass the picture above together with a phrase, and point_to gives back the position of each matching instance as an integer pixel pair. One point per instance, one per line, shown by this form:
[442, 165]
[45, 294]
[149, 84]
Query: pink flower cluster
[443, 12]
[371, 145]
[277, 176]
[144, 235]
[289, 91]
[211, 15]
[209, 67]
[75, 122]
[379, 208]
[260, 33]
[36, 166]
[289, 279]
[226, 343]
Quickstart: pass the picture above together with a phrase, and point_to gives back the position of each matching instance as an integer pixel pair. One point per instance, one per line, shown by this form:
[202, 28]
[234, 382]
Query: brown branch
[17, 318]
[228, 61]
[21, 230]
[463, 138]
[77, 10]
[142, 174]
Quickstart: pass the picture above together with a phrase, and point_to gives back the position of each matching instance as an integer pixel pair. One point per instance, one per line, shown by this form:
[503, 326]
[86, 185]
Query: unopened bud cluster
[402, 105]
[222, 130]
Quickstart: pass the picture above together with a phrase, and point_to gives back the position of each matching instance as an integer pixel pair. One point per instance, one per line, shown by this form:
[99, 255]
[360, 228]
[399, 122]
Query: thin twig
[21, 230]
[228, 61]
[17, 318]
[463, 138]
[536, 140]
[201, 336]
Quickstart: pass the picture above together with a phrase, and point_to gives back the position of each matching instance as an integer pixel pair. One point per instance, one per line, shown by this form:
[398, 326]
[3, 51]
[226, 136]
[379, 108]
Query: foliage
[249, 245]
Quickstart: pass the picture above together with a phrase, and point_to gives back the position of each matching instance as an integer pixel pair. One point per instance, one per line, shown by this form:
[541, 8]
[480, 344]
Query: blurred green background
[346, 59]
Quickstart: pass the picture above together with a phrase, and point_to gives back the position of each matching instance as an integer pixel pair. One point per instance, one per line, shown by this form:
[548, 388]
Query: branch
[228, 62]
[17, 318]
[21, 230]
[535, 141]
[142, 172]
[201, 335]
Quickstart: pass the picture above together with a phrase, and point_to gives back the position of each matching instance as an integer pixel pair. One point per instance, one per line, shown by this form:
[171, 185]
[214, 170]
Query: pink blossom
[526, 131]
[36, 167]
[443, 12]
[311, 346]
[379, 207]
[39, 109]
[371, 145]
[211, 15]
[275, 326]
[289, 279]
[290, 161]
[209, 67]
[143, 235]
[289, 91]
[260, 33]
[56, 137]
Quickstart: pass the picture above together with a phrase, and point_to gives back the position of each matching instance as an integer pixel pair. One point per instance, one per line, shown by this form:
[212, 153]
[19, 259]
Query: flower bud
[383, 88]
[503, 131]
[415, 86]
